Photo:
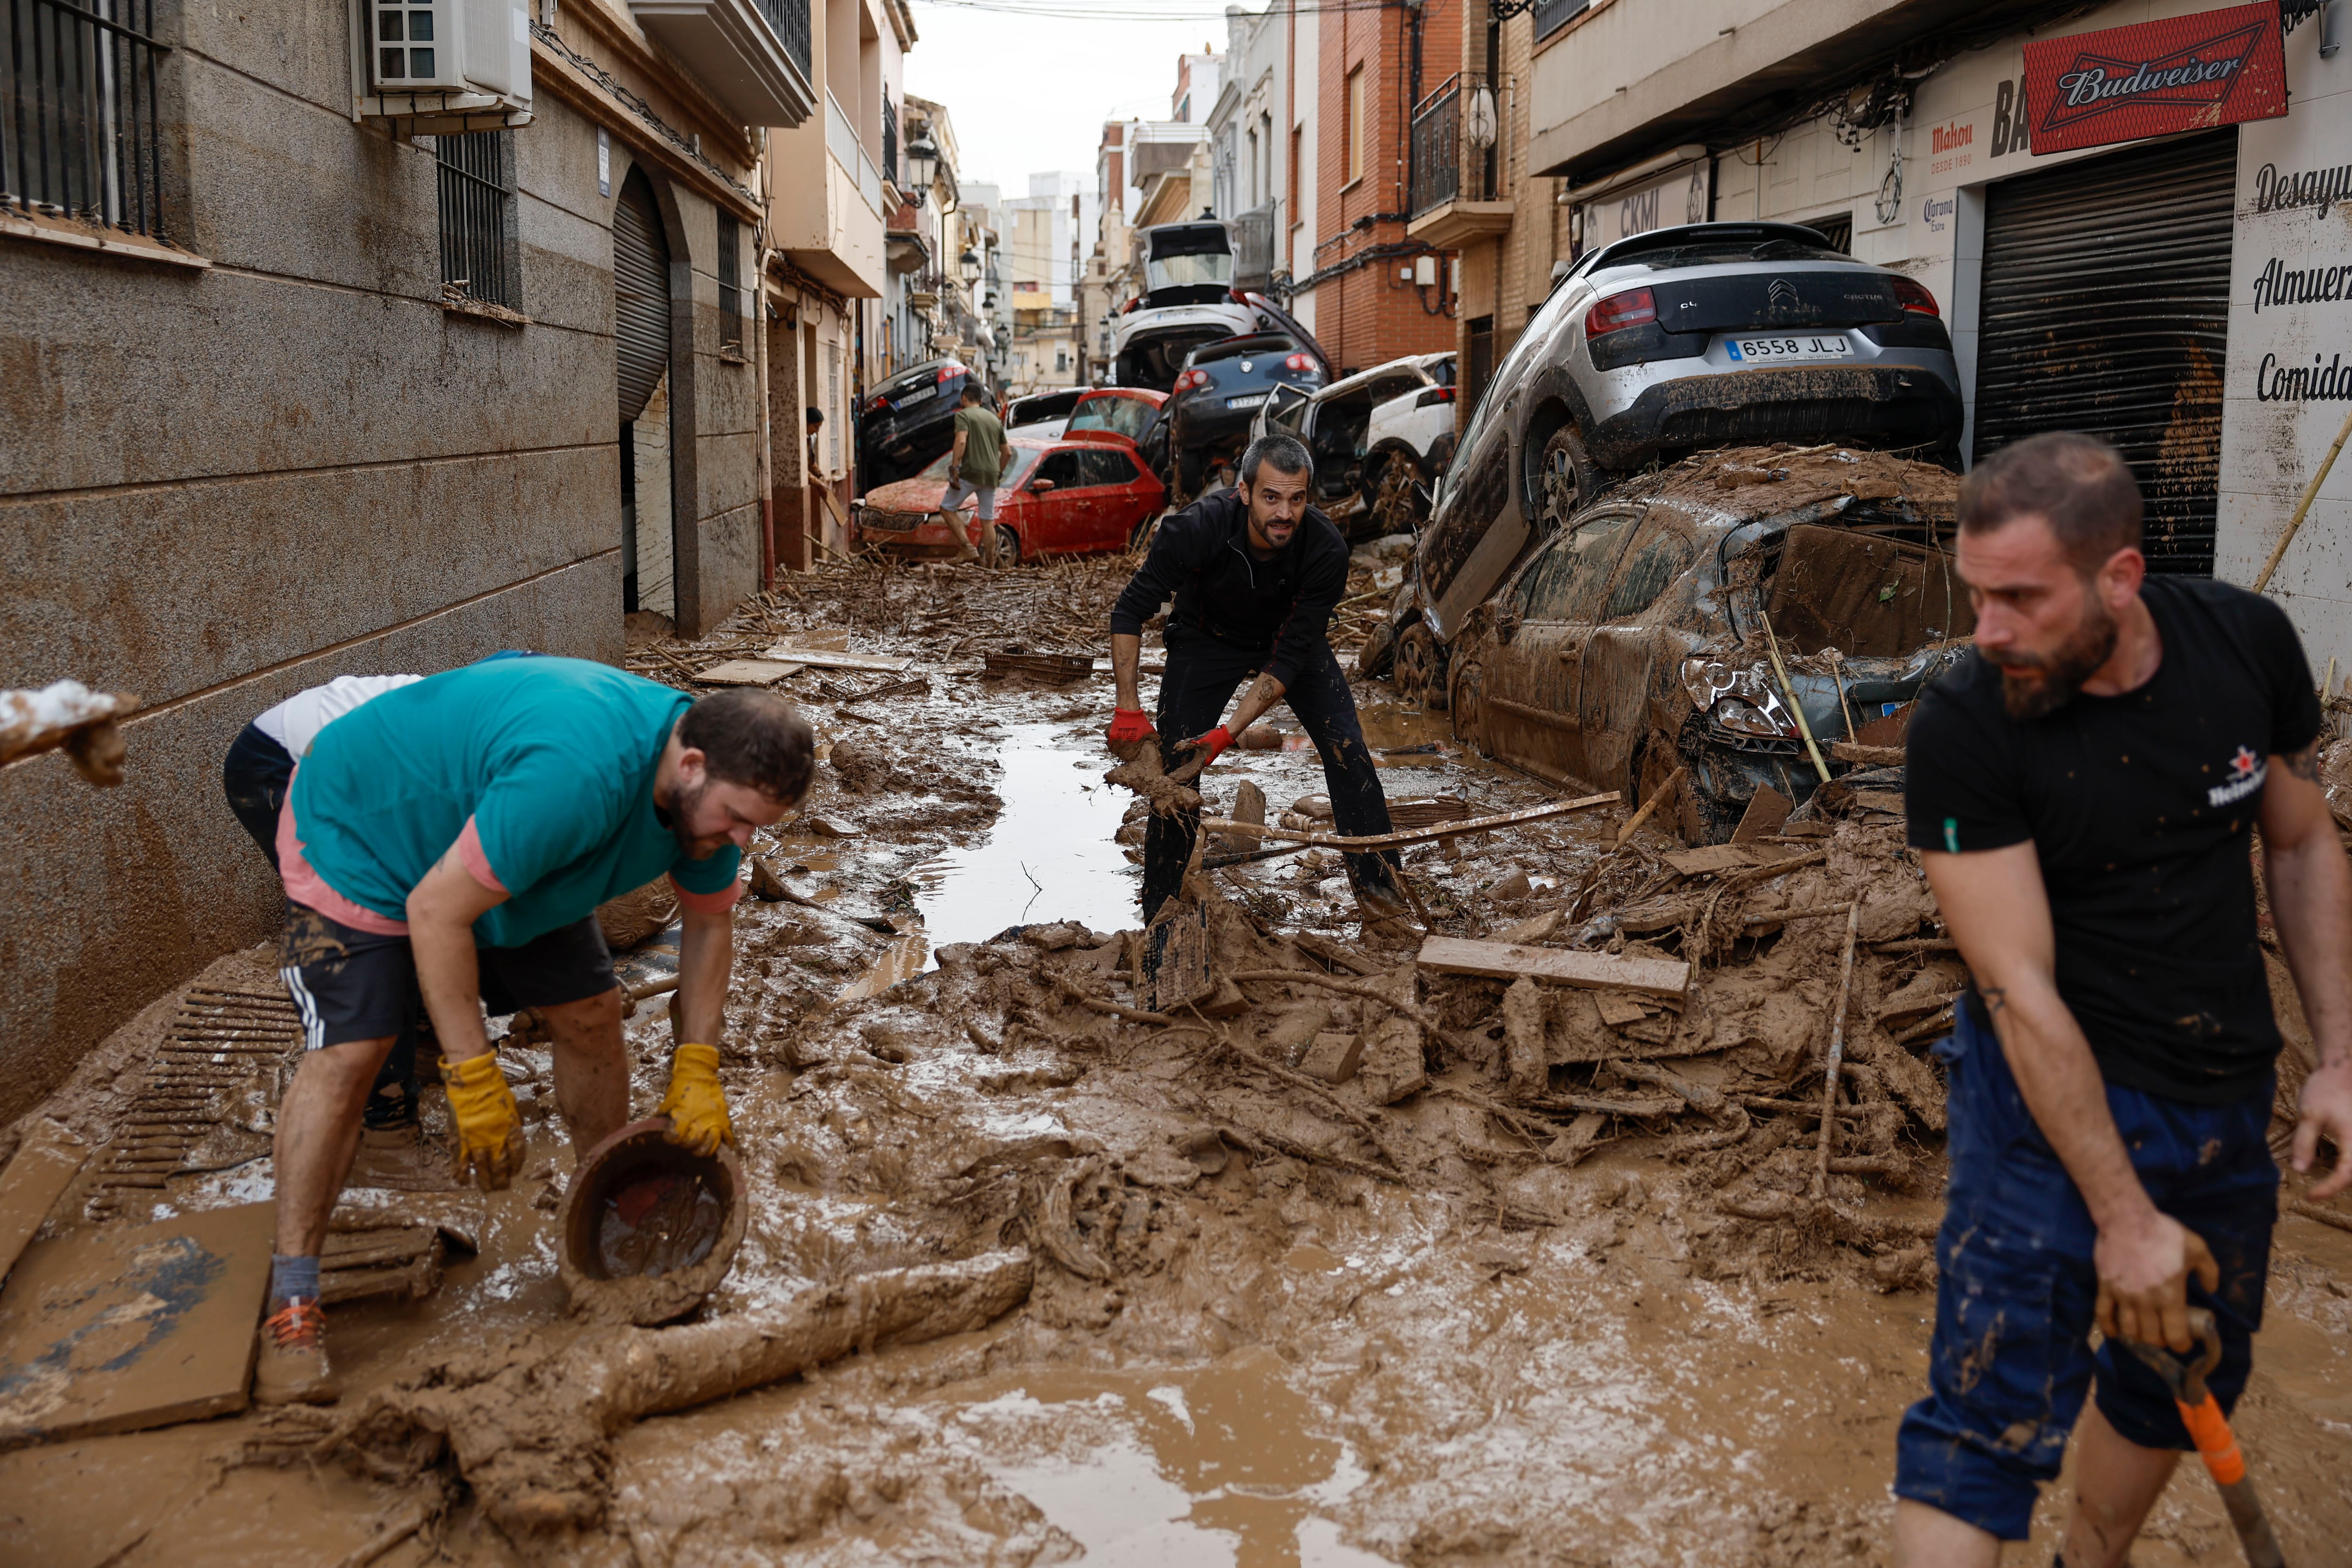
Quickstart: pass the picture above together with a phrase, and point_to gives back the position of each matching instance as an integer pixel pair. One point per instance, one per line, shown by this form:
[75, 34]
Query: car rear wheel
[1568, 478]
[1421, 667]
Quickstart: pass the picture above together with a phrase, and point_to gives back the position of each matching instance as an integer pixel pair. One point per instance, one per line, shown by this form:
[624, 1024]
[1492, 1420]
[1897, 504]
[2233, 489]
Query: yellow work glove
[489, 1126]
[696, 1105]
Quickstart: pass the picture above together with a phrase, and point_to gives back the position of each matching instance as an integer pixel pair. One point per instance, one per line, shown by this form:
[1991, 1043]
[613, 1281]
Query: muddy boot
[292, 1367]
[1388, 921]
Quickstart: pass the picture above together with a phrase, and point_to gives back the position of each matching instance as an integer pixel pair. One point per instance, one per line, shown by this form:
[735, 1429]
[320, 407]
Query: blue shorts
[2012, 1359]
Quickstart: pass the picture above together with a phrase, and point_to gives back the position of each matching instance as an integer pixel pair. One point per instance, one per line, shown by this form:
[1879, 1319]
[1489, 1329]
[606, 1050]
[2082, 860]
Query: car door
[1057, 511]
[1114, 497]
[1542, 622]
[1612, 698]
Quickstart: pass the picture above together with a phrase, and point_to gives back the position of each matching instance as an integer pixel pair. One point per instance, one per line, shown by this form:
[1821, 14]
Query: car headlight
[1743, 718]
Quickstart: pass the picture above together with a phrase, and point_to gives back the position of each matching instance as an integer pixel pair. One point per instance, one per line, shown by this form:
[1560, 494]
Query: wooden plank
[116, 1331]
[1768, 808]
[748, 672]
[1868, 756]
[1556, 965]
[1413, 836]
[1713, 860]
[50, 1156]
[823, 658]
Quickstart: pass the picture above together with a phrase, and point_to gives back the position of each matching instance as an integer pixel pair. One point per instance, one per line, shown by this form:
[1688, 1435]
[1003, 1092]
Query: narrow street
[1271, 1321]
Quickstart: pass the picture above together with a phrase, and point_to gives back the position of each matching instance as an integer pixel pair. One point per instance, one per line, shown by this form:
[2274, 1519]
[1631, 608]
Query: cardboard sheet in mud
[114, 1331]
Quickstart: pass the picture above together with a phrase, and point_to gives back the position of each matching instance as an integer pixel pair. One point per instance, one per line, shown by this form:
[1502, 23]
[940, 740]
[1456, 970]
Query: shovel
[2216, 1443]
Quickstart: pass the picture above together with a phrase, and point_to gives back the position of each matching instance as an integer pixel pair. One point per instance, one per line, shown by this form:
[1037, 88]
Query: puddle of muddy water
[1050, 856]
[1224, 1464]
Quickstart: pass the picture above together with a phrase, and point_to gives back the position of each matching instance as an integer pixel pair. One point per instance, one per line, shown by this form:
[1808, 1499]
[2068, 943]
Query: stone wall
[220, 487]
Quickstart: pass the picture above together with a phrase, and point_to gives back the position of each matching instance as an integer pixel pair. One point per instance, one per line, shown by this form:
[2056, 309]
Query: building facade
[328, 361]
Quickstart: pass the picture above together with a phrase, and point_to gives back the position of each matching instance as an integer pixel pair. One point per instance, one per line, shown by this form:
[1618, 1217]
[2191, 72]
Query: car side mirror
[1039, 487]
[1507, 626]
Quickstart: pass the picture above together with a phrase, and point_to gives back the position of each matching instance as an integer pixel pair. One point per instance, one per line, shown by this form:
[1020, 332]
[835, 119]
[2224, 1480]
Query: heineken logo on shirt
[2247, 773]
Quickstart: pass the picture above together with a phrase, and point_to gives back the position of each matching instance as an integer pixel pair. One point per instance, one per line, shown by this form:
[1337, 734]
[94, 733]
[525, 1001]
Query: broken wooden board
[401, 1260]
[49, 1157]
[120, 1329]
[1176, 956]
[1333, 1056]
[1411, 836]
[1337, 953]
[747, 672]
[829, 658]
[1717, 858]
[1868, 756]
[1054, 668]
[1617, 1009]
[831, 641]
[1768, 808]
[1556, 965]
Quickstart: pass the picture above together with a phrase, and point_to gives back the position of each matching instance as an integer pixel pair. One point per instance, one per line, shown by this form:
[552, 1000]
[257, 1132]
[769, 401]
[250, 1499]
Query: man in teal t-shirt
[455, 837]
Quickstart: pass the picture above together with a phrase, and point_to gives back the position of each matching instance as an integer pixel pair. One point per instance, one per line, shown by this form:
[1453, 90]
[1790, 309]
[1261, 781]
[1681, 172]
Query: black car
[908, 421]
[1217, 395]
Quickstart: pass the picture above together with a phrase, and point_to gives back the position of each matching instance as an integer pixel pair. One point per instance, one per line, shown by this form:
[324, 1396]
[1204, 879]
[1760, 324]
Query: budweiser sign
[2187, 73]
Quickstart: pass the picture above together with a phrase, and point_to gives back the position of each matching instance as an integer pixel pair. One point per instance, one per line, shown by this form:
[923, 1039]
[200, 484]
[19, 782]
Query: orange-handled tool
[2216, 1443]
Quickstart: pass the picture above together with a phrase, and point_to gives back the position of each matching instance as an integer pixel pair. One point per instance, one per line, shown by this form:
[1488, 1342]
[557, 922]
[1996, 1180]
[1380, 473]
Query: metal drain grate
[219, 1068]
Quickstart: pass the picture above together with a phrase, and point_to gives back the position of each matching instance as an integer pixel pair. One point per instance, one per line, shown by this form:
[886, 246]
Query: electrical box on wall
[441, 67]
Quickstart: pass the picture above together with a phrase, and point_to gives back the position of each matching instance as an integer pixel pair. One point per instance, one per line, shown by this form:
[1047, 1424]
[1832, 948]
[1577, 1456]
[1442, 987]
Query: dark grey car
[1634, 641]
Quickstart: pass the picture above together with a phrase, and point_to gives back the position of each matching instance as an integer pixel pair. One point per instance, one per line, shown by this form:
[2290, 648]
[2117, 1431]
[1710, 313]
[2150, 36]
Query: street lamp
[922, 162]
[969, 264]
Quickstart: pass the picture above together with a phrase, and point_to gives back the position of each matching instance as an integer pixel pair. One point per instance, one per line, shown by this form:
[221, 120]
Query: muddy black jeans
[1201, 677]
[255, 776]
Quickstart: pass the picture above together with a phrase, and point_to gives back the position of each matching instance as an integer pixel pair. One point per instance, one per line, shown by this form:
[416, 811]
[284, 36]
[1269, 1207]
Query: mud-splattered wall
[220, 486]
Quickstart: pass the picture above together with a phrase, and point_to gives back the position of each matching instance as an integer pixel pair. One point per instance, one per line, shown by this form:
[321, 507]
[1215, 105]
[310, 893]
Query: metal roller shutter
[2106, 288]
[640, 294]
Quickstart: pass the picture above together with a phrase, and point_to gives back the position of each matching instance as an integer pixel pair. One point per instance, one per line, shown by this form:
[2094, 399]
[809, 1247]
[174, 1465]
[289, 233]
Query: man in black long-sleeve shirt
[1255, 573]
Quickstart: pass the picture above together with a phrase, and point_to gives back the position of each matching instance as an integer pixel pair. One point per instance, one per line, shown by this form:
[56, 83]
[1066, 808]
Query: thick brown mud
[1443, 1311]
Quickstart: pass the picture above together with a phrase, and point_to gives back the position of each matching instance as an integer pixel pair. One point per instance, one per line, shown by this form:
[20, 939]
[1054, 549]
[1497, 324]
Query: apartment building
[364, 339]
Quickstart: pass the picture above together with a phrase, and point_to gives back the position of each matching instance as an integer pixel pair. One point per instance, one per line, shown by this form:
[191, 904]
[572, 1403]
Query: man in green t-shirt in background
[974, 468]
[455, 837]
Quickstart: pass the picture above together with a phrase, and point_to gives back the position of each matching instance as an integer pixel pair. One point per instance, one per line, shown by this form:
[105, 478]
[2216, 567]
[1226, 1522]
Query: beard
[2055, 679]
[682, 806]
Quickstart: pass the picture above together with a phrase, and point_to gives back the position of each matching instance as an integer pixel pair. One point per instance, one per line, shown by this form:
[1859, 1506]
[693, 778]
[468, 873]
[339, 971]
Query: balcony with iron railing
[752, 55]
[1453, 185]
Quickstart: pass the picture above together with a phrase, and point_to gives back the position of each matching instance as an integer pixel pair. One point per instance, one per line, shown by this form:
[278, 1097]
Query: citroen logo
[1783, 292]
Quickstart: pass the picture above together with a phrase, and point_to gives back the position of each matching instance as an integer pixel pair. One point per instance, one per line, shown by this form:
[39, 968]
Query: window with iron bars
[730, 286]
[79, 120]
[481, 258]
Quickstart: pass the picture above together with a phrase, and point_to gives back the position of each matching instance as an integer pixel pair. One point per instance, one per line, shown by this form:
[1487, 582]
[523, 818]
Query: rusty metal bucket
[648, 1229]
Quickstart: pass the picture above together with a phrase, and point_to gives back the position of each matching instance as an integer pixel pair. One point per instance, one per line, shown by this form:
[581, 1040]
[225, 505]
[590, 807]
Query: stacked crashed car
[1188, 299]
[908, 420]
[1735, 616]
[1380, 438]
[1220, 390]
[1076, 497]
[1672, 342]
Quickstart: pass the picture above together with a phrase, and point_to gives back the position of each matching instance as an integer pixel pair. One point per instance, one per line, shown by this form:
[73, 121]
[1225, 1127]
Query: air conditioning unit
[441, 67]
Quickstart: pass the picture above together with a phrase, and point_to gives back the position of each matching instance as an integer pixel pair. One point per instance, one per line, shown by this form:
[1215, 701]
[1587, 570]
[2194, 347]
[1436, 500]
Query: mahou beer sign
[2187, 73]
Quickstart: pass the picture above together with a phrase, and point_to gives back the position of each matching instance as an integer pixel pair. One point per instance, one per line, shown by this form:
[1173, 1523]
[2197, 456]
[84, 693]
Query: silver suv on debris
[1677, 341]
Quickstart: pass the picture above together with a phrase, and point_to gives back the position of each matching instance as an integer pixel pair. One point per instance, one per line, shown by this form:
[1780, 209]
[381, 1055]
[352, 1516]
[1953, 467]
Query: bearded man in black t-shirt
[2082, 791]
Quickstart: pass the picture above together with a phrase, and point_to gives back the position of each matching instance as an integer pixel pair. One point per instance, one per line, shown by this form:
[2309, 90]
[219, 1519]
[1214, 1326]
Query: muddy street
[1368, 1257]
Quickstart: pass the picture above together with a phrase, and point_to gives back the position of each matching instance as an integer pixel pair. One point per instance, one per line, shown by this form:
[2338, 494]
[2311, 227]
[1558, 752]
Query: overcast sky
[1029, 93]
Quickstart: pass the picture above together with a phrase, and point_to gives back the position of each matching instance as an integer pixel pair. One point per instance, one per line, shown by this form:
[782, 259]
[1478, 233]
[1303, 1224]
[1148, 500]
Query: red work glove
[1216, 741]
[1128, 725]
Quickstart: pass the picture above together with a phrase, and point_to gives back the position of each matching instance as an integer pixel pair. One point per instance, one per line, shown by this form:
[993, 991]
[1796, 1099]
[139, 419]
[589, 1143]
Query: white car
[1379, 439]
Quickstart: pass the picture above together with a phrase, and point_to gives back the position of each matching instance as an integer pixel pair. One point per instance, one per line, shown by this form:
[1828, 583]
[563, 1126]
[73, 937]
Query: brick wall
[1368, 314]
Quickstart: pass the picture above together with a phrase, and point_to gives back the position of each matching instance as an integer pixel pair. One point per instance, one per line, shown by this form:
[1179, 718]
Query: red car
[1071, 497]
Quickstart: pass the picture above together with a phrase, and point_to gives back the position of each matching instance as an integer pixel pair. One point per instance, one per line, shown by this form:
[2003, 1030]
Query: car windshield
[1235, 348]
[1122, 416]
[1176, 271]
[1018, 461]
